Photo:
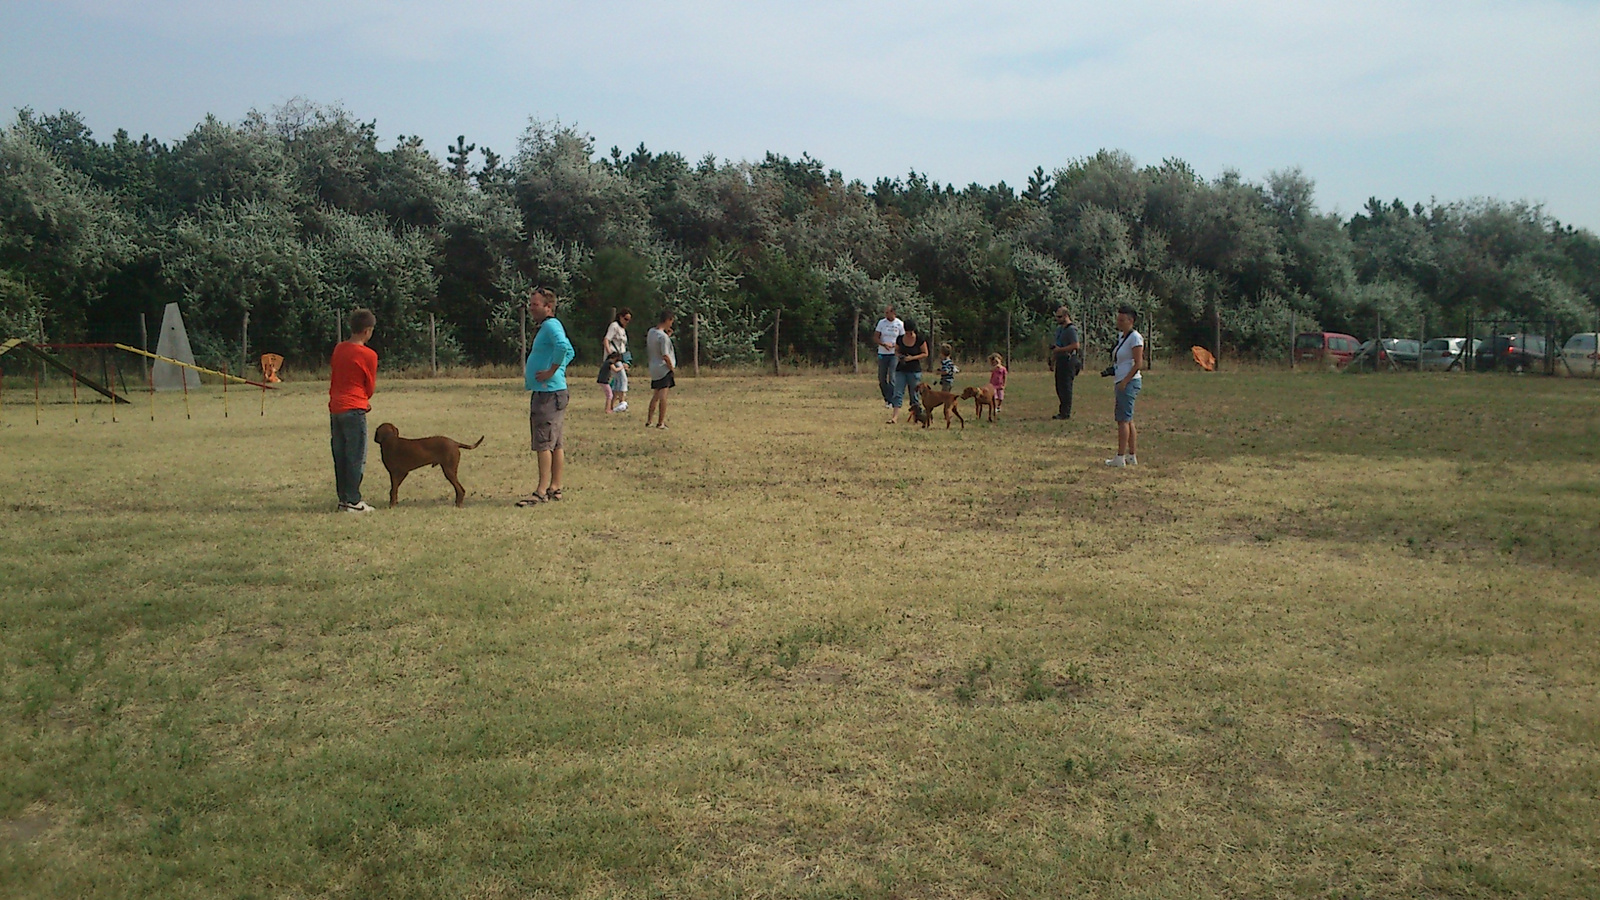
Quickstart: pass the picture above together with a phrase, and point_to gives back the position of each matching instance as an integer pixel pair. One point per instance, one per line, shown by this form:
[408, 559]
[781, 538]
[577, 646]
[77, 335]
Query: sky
[1394, 99]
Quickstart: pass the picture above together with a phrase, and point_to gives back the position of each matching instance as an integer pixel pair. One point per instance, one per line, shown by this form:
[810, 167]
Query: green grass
[1335, 637]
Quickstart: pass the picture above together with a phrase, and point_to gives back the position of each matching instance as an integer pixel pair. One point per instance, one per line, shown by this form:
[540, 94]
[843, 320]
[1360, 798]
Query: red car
[1325, 347]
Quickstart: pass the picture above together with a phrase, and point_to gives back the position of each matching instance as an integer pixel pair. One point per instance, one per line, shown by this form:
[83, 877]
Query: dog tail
[470, 446]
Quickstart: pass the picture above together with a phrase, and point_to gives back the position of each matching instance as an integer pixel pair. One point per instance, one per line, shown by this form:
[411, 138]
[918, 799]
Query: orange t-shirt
[355, 377]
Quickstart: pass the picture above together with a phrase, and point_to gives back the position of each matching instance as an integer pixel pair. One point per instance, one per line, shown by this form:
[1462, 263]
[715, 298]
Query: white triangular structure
[173, 344]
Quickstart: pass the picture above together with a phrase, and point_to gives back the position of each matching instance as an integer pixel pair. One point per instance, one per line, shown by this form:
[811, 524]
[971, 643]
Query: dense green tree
[297, 214]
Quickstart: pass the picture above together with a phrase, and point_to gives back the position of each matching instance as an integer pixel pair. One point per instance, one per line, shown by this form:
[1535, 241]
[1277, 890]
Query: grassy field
[1336, 637]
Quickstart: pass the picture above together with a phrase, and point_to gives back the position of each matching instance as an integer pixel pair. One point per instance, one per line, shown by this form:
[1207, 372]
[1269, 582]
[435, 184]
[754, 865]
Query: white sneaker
[1131, 460]
[1117, 462]
[361, 507]
[888, 406]
[621, 407]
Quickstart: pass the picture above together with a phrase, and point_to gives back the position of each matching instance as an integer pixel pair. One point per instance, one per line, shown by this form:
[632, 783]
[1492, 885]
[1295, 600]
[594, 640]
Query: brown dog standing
[933, 399]
[981, 397]
[401, 455]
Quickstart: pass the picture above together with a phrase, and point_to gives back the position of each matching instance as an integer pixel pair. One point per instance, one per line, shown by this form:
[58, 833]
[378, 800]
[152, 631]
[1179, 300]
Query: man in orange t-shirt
[350, 388]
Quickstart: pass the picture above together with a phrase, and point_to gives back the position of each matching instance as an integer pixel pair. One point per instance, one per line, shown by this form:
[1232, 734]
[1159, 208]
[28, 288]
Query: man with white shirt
[663, 366]
[887, 331]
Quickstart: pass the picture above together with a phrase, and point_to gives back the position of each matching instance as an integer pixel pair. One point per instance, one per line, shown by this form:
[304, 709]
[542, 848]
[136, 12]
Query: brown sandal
[533, 499]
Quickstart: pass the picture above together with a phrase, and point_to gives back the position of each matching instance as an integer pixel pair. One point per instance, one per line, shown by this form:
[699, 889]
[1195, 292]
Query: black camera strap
[1118, 348]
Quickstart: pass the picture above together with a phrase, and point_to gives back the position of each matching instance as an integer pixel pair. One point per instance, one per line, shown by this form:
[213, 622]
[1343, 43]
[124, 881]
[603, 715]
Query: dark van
[1512, 352]
[1329, 348]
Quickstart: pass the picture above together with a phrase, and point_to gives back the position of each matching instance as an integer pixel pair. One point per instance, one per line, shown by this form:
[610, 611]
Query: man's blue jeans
[886, 363]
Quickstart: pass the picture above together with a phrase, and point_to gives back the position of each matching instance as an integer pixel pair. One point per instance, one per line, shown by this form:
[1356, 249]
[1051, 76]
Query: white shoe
[1131, 460]
[888, 406]
[621, 407]
[361, 507]
[1117, 462]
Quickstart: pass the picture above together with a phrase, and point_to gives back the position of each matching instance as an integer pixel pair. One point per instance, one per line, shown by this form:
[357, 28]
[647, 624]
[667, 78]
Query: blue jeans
[906, 381]
[886, 363]
[349, 438]
[1125, 397]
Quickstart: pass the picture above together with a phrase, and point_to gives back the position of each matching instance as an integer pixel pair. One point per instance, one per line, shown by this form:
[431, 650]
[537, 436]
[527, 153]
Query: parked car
[1512, 352]
[1327, 347]
[1400, 351]
[1444, 354]
[1582, 355]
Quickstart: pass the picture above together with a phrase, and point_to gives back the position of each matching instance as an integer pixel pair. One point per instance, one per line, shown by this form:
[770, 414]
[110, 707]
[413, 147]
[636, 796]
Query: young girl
[619, 382]
[609, 370]
[997, 379]
[947, 368]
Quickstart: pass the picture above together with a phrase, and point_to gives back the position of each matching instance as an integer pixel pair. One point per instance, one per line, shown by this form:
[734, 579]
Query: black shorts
[663, 382]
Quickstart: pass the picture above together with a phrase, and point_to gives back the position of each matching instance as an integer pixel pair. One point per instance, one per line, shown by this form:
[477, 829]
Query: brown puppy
[933, 399]
[981, 397]
[401, 455]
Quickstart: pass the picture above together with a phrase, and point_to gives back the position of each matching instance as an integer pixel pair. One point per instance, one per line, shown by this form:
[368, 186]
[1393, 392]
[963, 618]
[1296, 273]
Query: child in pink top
[997, 379]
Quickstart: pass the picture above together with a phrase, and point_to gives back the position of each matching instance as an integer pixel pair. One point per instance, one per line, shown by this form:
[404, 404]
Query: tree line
[296, 215]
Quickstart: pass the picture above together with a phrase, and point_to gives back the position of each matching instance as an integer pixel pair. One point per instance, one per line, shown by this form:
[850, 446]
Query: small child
[619, 381]
[948, 370]
[997, 379]
[606, 378]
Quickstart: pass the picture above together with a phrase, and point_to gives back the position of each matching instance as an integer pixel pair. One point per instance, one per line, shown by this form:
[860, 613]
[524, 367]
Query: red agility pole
[224, 390]
[38, 376]
[186, 413]
[74, 396]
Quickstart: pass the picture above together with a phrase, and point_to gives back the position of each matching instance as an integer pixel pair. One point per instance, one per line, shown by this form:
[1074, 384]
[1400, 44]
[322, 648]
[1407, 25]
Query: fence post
[777, 320]
[522, 344]
[144, 344]
[433, 343]
[1422, 337]
[1009, 361]
[1550, 347]
[694, 330]
[855, 346]
[1293, 333]
[244, 345]
[1216, 334]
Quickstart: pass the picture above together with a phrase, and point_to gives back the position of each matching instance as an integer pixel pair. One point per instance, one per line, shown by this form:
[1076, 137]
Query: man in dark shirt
[1066, 358]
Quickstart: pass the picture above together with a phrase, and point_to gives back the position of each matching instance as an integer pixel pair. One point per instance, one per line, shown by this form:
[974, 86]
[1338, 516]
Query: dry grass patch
[782, 648]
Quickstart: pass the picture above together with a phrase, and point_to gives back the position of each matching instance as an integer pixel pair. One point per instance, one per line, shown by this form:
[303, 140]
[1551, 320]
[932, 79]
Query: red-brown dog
[933, 399]
[981, 397]
[401, 455]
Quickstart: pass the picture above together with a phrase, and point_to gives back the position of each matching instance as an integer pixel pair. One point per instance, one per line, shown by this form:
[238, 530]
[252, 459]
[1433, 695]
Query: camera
[1108, 371]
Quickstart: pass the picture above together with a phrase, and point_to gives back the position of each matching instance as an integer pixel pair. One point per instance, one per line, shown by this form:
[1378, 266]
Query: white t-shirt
[616, 338]
[887, 332]
[659, 343]
[1124, 357]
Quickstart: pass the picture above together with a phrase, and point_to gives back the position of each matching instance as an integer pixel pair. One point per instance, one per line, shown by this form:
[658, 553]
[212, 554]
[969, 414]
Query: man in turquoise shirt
[545, 374]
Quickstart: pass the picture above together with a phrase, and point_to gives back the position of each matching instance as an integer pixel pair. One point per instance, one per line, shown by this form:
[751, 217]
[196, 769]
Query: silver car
[1444, 354]
[1581, 356]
